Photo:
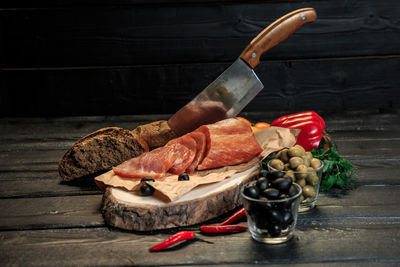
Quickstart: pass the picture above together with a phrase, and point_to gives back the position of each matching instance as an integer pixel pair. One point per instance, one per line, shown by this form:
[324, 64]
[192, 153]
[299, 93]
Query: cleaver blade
[237, 85]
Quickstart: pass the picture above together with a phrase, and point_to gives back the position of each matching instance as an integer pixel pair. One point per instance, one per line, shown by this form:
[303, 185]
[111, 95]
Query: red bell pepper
[312, 127]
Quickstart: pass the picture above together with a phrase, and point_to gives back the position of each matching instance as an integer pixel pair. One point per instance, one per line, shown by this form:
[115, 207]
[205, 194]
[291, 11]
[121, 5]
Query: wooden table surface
[46, 222]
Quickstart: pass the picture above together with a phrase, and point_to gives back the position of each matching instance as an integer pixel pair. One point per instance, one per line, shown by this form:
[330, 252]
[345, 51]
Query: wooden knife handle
[275, 33]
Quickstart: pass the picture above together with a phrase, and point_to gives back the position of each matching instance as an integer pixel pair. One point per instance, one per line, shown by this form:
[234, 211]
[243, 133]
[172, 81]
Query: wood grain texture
[134, 57]
[348, 244]
[46, 157]
[27, 184]
[142, 215]
[324, 84]
[31, 148]
[369, 202]
[276, 33]
[133, 34]
[43, 222]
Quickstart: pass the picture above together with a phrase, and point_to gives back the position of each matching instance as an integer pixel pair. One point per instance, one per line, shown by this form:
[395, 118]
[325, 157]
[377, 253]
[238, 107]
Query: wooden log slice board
[130, 211]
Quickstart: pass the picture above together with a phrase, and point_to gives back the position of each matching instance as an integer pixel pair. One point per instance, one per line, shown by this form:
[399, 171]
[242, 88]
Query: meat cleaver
[238, 85]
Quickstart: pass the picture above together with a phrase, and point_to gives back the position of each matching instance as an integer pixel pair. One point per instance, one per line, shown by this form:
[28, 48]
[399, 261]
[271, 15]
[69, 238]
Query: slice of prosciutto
[187, 152]
[154, 164]
[200, 139]
[229, 142]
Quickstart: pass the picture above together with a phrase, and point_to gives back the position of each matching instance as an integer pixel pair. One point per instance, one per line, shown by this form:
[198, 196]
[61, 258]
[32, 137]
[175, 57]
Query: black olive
[282, 184]
[260, 222]
[252, 191]
[263, 173]
[274, 230]
[275, 175]
[146, 190]
[275, 216]
[271, 193]
[287, 205]
[262, 183]
[287, 218]
[147, 179]
[292, 190]
[283, 196]
[183, 177]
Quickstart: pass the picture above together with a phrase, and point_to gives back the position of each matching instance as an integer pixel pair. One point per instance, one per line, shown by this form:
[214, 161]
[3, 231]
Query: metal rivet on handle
[253, 55]
[303, 17]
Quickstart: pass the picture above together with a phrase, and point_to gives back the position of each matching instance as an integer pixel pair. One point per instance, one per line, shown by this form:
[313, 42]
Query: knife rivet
[303, 17]
[253, 55]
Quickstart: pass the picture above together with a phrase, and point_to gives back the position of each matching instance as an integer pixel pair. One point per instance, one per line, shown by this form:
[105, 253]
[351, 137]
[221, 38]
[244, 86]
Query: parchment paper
[271, 139]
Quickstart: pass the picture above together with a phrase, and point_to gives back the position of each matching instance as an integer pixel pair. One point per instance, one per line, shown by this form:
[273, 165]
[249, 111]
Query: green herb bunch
[337, 171]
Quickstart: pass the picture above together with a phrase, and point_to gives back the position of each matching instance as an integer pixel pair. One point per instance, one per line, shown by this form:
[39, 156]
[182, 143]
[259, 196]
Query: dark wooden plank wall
[150, 57]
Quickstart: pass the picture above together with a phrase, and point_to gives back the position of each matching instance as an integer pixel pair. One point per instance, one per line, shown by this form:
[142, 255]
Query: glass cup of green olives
[271, 206]
[304, 169]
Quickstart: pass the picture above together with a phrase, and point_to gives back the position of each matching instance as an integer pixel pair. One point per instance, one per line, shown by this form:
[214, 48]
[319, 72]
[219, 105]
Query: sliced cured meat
[224, 127]
[228, 126]
[185, 147]
[224, 143]
[200, 139]
[229, 142]
[154, 164]
[228, 150]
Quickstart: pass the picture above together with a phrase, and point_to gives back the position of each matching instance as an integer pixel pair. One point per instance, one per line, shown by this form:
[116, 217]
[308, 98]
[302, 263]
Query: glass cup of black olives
[271, 203]
[306, 173]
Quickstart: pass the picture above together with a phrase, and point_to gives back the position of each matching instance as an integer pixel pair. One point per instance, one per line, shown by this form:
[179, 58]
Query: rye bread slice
[99, 151]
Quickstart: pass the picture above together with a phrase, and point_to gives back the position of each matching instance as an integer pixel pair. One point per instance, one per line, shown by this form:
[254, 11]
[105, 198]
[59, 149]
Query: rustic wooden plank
[71, 128]
[17, 184]
[104, 35]
[336, 84]
[347, 244]
[45, 157]
[15, 187]
[51, 212]
[28, 167]
[368, 202]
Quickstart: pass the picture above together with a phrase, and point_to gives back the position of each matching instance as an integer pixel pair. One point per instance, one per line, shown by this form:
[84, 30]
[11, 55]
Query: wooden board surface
[43, 222]
[130, 211]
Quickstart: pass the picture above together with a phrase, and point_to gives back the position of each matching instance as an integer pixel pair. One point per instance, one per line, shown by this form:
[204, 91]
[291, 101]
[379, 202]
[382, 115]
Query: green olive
[312, 177]
[315, 163]
[296, 151]
[308, 155]
[286, 167]
[301, 182]
[277, 164]
[295, 162]
[290, 174]
[306, 160]
[301, 171]
[308, 191]
[284, 155]
[301, 198]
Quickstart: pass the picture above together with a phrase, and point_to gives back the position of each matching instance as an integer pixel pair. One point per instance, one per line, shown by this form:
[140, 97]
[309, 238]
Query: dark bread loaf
[156, 134]
[99, 151]
[107, 147]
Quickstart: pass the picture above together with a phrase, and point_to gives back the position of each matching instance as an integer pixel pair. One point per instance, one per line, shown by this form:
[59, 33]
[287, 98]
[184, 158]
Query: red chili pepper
[311, 124]
[180, 236]
[240, 214]
[222, 229]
